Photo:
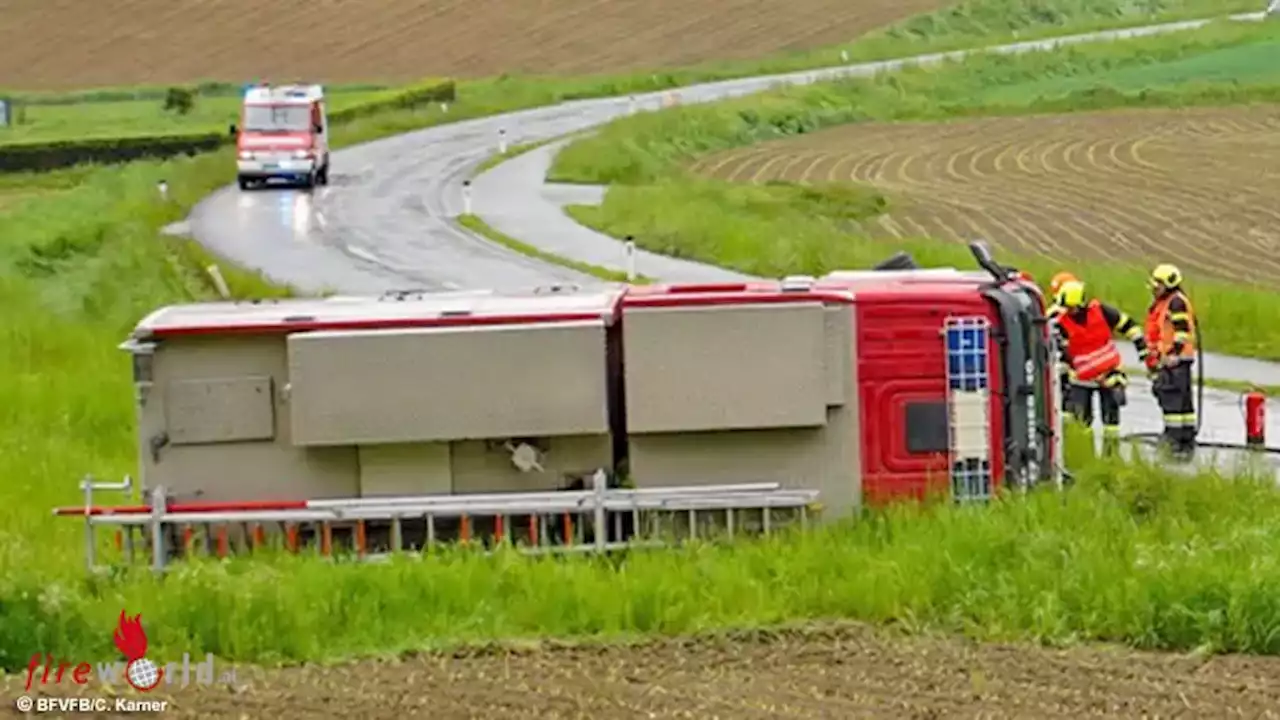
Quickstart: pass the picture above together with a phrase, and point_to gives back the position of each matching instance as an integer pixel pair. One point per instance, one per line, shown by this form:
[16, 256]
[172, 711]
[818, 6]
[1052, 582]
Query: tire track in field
[1197, 185]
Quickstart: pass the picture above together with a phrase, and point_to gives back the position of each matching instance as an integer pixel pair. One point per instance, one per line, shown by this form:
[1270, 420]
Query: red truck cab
[954, 384]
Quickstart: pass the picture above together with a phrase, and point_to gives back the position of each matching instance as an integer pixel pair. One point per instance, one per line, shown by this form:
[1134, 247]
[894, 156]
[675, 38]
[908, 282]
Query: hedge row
[425, 94]
[209, 89]
[54, 154]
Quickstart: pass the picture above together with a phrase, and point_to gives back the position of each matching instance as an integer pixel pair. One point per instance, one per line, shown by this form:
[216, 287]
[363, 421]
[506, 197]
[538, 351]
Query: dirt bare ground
[837, 672]
[1197, 184]
[127, 42]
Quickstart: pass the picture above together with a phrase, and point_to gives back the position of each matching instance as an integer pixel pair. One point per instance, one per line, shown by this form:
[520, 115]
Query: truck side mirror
[231, 129]
[982, 254]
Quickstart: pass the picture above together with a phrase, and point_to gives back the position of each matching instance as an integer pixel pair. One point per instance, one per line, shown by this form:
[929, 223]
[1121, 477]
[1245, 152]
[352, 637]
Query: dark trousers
[1110, 400]
[1174, 392]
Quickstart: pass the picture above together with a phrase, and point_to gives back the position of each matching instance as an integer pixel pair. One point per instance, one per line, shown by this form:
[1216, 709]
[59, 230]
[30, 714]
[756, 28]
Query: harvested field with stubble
[156, 42]
[843, 672]
[1198, 185]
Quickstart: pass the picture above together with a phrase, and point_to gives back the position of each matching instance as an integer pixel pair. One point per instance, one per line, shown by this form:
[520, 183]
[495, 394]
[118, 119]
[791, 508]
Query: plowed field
[1198, 186]
[60, 44]
[836, 673]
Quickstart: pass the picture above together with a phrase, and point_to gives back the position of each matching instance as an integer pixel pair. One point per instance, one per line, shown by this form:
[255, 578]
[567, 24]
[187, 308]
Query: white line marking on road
[321, 221]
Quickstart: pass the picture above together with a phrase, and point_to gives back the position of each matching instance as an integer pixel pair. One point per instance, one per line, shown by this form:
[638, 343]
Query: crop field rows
[1195, 185]
[841, 672]
[151, 41]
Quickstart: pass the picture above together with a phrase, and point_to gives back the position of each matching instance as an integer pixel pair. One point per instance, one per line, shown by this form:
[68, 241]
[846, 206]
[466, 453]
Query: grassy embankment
[81, 263]
[476, 225]
[513, 151]
[778, 229]
[1130, 554]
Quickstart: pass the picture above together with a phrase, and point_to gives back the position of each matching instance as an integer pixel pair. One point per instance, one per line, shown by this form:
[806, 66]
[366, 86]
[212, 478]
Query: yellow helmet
[1165, 277]
[1070, 295]
[1056, 283]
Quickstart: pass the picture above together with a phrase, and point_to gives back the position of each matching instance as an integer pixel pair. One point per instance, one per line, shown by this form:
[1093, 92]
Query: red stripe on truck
[686, 300]
[285, 326]
[190, 507]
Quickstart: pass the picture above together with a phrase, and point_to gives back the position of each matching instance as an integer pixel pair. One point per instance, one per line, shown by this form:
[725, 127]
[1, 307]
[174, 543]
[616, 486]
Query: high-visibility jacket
[1092, 352]
[1168, 328]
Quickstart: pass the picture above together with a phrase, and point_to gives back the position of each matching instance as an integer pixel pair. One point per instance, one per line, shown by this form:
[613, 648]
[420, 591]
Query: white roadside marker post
[629, 254]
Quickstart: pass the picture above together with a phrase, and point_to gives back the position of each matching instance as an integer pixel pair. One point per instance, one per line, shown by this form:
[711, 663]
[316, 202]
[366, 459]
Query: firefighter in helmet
[1055, 287]
[1171, 335]
[1054, 312]
[1093, 360]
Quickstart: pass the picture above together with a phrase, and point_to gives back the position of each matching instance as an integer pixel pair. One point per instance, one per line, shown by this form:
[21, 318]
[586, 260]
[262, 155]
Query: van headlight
[246, 155]
[301, 154]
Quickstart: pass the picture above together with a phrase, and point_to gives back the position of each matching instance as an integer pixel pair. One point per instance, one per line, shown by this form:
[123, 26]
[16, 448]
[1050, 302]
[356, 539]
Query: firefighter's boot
[1173, 445]
[1186, 447]
[1110, 440]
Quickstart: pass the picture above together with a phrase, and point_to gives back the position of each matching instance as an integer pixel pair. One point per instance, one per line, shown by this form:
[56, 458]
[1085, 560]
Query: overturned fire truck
[564, 417]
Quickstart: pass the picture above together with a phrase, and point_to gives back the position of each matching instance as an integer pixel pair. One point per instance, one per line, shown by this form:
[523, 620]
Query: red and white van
[284, 134]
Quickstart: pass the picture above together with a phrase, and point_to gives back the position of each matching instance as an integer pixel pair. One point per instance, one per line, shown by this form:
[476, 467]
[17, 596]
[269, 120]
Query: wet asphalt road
[386, 221]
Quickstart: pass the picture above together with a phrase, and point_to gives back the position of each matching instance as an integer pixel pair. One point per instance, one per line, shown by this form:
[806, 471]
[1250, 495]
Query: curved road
[387, 220]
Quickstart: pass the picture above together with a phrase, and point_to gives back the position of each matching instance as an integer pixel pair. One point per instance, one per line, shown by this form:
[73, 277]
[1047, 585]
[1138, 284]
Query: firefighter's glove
[1150, 359]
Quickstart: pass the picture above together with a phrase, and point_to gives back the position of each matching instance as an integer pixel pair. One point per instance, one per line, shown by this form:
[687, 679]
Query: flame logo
[131, 640]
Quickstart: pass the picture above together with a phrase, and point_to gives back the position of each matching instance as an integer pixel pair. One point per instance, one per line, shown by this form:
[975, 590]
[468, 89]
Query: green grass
[772, 230]
[497, 159]
[80, 263]
[476, 225]
[1129, 554]
[18, 188]
[1252, 64]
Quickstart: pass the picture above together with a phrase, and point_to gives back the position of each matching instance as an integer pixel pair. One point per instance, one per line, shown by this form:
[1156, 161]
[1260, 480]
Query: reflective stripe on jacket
[1162, 336]
[1089, 345]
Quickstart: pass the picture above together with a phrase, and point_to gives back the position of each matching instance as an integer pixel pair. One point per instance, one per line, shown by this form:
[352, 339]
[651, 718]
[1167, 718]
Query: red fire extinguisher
[1255, 419]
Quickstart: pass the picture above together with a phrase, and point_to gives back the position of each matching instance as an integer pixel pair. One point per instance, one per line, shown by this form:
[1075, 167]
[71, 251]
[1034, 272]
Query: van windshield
[277, 118]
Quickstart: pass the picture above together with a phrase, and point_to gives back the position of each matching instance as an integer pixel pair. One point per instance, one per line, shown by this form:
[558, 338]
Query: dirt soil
[1196, 184]
[130, 42]
[839, 672]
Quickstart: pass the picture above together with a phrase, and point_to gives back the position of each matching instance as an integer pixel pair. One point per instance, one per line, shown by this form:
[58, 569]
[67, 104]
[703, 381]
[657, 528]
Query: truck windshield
[277, 118]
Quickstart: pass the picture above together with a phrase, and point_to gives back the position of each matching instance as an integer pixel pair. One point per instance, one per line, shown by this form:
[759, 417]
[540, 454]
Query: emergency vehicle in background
[385, 417]
[283, 133]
